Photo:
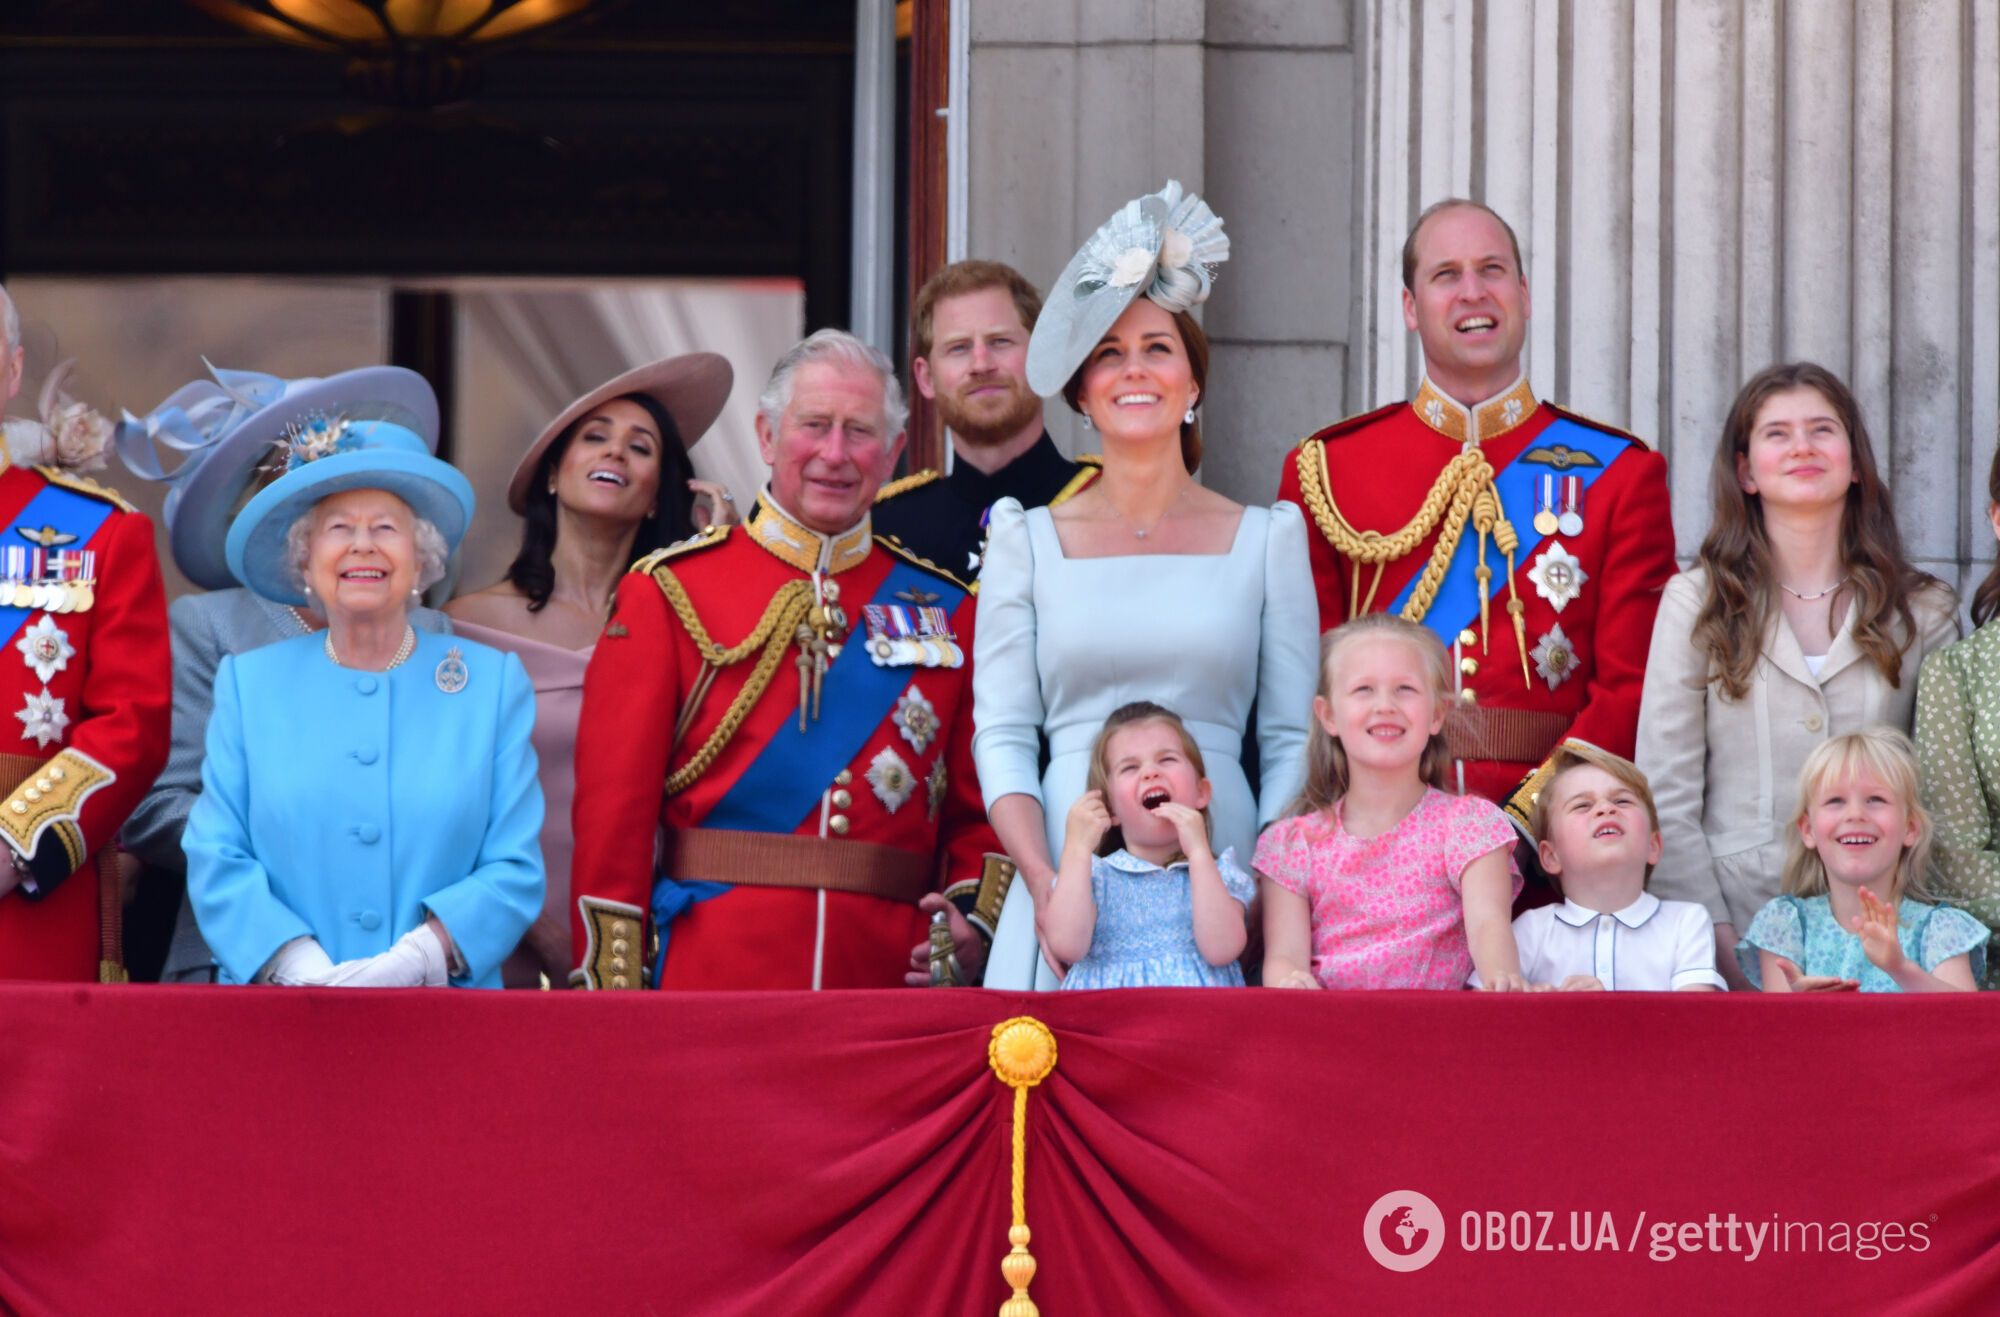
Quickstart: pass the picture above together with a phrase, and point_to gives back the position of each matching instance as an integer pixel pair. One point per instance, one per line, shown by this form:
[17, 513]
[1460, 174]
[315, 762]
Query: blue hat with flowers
[330, 454]
[1165, 245]
[224, 426]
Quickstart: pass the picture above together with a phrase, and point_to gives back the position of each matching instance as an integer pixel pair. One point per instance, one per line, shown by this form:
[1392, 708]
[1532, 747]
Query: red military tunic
[1582, 680]
[90, 691]
[910, 788]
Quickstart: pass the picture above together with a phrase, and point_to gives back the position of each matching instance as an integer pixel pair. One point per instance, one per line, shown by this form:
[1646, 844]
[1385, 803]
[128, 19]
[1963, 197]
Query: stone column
[1703, 187]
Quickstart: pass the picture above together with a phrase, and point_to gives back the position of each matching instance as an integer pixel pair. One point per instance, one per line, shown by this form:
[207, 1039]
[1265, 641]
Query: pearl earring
[1189, 418]
[1086, 420]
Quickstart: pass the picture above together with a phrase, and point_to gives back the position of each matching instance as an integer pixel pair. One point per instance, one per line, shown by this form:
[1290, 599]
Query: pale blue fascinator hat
[327, 455]
[224, 426]
[1165, 245]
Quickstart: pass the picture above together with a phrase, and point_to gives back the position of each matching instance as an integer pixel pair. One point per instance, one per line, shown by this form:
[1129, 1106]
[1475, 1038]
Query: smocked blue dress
[1145, 926]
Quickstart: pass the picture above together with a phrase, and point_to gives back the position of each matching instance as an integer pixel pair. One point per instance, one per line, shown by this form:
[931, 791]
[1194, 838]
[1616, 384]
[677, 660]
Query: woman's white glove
[416, 961]
[301, 962]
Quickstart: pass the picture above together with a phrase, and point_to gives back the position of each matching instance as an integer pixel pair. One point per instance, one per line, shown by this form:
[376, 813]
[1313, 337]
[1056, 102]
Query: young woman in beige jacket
[1800, 620]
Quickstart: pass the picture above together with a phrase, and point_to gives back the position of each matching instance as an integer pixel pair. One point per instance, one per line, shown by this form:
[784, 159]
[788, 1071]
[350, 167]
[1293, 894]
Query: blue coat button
[366, 685]
[368, 833]
[369, 920]
[367, 755]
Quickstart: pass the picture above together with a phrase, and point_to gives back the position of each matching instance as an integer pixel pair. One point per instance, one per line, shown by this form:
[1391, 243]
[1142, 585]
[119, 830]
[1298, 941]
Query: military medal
[936, 783]
[45, 648]
[451, 675]
[1555, 658]
[1571, 521]
[1545, 506]
[916, 719]
[891, 779]
[42, 718]
[900, 636]
[1558, 575]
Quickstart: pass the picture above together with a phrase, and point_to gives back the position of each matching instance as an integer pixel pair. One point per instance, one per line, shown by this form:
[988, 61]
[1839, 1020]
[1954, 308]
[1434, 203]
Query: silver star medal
[42, 718]
[916, 719]
[451, 675]
[45, 648]
[891, 778]
[1558, 576]
[1555, 657]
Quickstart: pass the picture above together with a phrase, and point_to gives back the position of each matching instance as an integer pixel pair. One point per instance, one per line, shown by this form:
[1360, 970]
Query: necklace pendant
[1139, 534]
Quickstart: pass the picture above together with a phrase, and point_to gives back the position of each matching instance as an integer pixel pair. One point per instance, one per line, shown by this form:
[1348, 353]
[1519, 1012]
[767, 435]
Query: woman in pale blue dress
[1144, 586]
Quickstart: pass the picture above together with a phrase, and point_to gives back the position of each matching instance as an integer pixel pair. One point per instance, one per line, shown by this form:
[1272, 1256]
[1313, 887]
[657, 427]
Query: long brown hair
[1099, 777]
[1741, 602]
[1986, 599]
[1196, 344]
[1326, 761]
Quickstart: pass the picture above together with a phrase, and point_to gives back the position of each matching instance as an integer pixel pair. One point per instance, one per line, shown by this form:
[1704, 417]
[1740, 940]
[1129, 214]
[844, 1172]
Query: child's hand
[1800, 982]
[1876, 927]
[1581, 983]
[1089, 820]
[1298, 978]
[1189, 827]
[1507, 983]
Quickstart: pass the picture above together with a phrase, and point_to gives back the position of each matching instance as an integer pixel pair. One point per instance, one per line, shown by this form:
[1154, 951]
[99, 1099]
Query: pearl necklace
[403, 651]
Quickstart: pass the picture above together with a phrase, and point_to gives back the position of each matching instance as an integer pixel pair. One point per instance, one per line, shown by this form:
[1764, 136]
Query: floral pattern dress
[1386, 910]
[1145, 926]
[1958, 747]
[1804, 931]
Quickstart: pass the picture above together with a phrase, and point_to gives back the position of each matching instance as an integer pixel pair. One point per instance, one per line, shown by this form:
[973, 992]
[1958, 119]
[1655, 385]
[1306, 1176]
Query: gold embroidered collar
[789, 540]
[1487, 420]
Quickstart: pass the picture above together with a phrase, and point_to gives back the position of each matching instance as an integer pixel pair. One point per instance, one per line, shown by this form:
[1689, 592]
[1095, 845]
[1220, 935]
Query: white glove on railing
[416, 961]
[301, 962]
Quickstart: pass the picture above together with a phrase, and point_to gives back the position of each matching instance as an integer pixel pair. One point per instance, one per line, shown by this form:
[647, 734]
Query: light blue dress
[1145, 926]
[1803, 930]
[1059, 643]
[344, 805]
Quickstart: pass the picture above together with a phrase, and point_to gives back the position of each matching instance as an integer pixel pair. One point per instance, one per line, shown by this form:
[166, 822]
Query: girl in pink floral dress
[1379, 878]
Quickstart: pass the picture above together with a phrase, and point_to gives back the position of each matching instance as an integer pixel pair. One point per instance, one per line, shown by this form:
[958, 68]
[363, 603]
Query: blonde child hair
[1580, 754]
[1326, 762]
[1889, 756]
[1099, 777]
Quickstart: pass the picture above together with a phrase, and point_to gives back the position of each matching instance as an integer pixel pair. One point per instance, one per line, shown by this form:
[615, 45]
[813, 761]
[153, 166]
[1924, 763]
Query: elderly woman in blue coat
[369, 813]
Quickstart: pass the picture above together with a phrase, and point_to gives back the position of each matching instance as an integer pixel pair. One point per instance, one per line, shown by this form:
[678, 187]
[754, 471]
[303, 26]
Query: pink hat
[691, 387]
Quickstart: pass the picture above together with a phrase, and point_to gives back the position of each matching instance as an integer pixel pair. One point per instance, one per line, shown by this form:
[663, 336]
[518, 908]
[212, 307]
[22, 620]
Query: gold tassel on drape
[1022, 1053]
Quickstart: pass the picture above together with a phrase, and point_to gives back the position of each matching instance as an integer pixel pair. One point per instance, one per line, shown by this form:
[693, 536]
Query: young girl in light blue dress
[1140, 900]
[1849, 917]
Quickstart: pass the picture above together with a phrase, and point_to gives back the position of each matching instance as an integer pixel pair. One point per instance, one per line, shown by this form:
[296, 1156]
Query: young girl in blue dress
[1852, 913]
[1140, 900]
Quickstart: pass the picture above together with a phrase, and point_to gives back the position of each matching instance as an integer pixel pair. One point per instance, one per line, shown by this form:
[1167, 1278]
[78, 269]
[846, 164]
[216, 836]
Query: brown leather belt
[771, 859]
[1516, 736]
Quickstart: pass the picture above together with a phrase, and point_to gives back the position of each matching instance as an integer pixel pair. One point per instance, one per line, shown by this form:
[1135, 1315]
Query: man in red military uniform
[83, 616]
[1533, 541]
[804, 692]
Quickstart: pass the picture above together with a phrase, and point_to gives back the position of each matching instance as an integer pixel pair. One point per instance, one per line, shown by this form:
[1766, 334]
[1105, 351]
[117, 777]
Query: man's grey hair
[10, 319]
[431, 551]
[839, 347]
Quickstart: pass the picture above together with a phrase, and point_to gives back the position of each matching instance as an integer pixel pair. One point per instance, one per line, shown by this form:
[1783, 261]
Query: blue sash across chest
[61, 510]
[1456, 605]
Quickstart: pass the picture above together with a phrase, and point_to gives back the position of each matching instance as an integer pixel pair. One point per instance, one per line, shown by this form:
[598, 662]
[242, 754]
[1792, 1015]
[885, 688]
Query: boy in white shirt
[1598, 834]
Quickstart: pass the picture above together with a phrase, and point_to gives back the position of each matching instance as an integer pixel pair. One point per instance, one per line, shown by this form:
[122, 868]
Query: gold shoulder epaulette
[1595, 424]
[56, 475]
[702, 539]
[1093, 466]
[895, 546]
[915, 480]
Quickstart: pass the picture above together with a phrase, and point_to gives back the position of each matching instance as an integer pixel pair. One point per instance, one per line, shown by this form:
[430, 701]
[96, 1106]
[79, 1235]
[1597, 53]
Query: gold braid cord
[1462, 492]
[1022, 1052]
[773, 633]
